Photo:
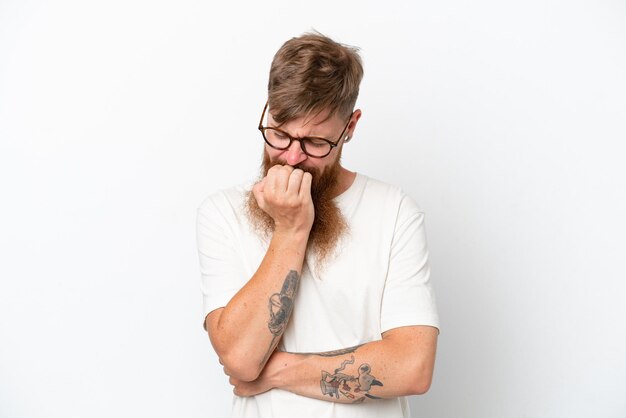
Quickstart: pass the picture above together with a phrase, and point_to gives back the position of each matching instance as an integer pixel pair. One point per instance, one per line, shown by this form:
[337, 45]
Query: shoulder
[389, 195]
[226, 203]
[225, 197]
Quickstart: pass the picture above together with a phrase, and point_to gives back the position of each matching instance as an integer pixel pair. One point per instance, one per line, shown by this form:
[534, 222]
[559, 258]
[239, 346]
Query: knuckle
[278, 200]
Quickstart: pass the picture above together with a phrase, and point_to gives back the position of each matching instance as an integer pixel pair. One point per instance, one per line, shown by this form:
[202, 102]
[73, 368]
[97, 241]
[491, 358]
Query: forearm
[380, 369]
[251, 324]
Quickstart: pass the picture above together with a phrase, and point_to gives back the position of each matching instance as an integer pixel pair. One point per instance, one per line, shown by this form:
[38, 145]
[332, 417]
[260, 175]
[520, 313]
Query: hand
[285, 195]
[241, 388]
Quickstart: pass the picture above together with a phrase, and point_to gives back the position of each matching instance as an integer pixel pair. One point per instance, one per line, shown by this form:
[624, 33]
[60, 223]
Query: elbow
[240, 367]
[420, 386]
[244, 375]
[421, 379]
[238, 362]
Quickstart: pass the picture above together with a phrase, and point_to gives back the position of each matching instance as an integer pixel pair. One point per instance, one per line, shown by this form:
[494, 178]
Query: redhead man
[316, 280]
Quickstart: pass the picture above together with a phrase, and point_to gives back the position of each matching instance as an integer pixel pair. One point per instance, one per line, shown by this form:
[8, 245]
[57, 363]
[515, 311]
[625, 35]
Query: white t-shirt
[378, 279]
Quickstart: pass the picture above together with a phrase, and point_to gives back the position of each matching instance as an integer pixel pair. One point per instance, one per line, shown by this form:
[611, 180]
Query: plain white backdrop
[506, 121]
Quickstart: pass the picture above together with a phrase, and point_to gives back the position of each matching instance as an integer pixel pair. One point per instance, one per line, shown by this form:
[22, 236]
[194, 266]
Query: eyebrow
[279, 126]
[325, 137]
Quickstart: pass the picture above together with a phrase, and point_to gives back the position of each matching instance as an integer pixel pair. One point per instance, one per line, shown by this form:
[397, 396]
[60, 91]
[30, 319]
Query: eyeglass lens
[280, 140]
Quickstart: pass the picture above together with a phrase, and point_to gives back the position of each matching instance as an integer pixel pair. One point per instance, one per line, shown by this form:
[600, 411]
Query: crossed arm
[246, 332]
[400, 364]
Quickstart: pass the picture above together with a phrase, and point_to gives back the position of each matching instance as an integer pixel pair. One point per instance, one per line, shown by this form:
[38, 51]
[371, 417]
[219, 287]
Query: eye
[279, 134]
[317, 142]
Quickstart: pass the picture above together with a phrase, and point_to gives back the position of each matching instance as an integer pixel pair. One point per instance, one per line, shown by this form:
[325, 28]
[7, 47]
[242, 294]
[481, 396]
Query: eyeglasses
[312, 146]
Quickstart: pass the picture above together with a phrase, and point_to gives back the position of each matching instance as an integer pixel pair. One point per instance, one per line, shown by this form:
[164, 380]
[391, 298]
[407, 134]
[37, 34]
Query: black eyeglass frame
[300, 140]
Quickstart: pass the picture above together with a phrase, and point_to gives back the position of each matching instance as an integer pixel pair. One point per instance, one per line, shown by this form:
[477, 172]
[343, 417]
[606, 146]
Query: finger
[305, 187]
[260, 185]
[295, 180]
[280, 178]
[227, 371]
[257, 191]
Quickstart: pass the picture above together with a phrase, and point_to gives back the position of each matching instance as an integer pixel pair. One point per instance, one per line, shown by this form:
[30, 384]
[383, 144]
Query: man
[317, 296]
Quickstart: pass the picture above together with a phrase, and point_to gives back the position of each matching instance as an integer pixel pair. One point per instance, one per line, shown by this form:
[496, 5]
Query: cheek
[323, 164]
[273, 154]
[328, 162]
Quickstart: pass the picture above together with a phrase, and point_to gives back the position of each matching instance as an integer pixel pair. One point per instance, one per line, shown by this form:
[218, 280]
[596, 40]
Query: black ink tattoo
[281, 306]
[366, 380]
[334, 353]
[337, 383]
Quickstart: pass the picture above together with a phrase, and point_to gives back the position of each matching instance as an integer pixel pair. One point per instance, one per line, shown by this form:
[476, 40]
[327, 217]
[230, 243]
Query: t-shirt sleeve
[221, 272]
[408, 297]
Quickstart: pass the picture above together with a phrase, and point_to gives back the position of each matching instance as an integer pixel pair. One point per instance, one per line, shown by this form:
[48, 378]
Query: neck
[344, 181]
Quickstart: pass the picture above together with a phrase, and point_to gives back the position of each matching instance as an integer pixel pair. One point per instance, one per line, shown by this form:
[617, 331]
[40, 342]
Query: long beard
[329, 224]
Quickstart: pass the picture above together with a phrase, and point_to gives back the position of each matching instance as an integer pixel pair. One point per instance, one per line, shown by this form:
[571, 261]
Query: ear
[354, 119]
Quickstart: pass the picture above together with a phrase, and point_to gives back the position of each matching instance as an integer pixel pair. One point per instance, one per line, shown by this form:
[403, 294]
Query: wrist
[281, 368]
[295, 235]
[274, 369]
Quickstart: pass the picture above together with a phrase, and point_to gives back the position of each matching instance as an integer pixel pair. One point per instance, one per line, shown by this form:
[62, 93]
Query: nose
[294, 154]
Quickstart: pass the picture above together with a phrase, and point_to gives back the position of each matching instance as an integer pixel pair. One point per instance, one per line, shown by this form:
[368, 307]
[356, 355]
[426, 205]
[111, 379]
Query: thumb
[257, 191]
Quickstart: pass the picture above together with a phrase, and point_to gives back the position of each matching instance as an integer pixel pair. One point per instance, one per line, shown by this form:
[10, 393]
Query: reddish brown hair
[311, 74]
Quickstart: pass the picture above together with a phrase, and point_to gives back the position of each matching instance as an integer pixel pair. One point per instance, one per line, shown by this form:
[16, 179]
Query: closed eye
[318, 142]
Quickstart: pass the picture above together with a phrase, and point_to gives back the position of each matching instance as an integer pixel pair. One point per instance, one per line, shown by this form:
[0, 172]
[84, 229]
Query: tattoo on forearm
[354, 387]
[280, 307]
[340, 352]
[281, 304]
[333, 353]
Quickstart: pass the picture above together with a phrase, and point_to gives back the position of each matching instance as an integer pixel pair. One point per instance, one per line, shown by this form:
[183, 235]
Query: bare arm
[400, 364]
[246, 331]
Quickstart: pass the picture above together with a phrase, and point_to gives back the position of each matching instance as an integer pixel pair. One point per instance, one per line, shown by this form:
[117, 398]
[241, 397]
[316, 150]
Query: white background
[504, 120]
